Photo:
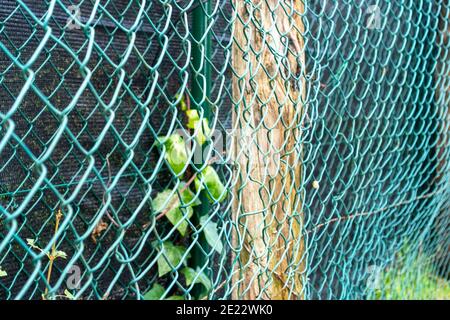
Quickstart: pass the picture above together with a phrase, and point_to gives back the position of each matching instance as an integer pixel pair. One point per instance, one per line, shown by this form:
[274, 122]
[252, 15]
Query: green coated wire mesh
[224, 149]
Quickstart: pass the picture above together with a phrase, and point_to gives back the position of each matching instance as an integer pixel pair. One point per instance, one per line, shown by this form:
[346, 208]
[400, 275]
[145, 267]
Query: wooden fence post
[269, 90]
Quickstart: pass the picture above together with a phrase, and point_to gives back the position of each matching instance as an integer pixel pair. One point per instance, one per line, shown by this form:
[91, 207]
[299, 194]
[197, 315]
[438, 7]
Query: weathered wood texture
[268, 60]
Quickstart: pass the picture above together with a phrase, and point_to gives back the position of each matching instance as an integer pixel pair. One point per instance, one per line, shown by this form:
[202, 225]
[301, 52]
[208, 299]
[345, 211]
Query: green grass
[398, 285]
[411, 279]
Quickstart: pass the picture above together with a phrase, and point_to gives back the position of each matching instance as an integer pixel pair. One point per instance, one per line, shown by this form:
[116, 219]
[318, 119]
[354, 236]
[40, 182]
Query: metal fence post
[201, 87]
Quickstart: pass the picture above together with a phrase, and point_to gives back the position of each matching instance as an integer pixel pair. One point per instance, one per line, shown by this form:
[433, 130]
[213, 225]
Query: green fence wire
[219, 149]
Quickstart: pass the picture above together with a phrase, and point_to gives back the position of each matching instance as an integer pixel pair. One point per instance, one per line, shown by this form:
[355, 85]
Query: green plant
[177, 205]
[414, 280]
[400, 285]
[52, 255]
[157, 292]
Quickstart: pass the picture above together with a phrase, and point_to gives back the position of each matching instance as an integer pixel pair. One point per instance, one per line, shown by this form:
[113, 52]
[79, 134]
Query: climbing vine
[177, 205]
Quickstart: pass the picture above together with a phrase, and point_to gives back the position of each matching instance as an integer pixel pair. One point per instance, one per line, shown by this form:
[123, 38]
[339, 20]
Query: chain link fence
[224, 149]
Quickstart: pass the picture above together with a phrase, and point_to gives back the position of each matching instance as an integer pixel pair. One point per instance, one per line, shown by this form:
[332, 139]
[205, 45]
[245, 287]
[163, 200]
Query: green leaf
[32, 243]
[175, 214]
[204, 133]
[164, 199]
[212, 236]
[170, 258]
[182, 104]
[178, 218]
[69, 295]
[189, 197]
[196, 276]
[59, 254]
[175, 298]
[209, 178]
[155, 293]
[176, 155]
[160, 140]
[193, 118]
[201, 127]
[3, 273]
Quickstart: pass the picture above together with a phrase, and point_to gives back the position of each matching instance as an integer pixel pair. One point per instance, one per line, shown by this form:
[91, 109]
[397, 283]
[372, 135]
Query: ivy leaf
[160, 140]
[177, 216]
[196, 276]
[182, 104]
[212, 236]
[202, 127]
[193, 118]
[176, 155]
[204, 132]
[164, 199]
[175, 298]
[172, 255]
[209, 178]
[155, 293]
[188, 197]
[3, 273]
